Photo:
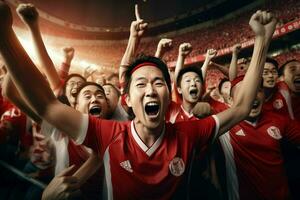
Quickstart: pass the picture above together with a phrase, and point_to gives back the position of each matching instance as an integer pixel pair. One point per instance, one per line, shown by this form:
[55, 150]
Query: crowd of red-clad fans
[219, 35]
[45, 152]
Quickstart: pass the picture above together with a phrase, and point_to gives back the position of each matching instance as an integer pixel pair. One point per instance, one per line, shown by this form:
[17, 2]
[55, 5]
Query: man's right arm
[27, 77]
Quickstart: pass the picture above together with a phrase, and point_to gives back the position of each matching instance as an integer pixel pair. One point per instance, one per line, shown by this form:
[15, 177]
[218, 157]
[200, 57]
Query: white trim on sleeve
[217, 127]
[83, 129]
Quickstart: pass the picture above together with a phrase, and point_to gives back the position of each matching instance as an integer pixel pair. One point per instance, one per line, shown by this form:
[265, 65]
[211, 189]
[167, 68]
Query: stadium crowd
[152, 131]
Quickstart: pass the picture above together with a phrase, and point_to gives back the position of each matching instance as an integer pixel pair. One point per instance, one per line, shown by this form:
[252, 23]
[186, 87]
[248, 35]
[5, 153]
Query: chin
[254, 113]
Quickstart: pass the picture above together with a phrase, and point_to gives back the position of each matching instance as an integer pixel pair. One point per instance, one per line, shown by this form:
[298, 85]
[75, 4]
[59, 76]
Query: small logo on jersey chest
[278, 104]
[274, 132]
[126, 165]
[177, 166]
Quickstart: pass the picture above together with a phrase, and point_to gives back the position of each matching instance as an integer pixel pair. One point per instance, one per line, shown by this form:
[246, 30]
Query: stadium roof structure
[110, 19]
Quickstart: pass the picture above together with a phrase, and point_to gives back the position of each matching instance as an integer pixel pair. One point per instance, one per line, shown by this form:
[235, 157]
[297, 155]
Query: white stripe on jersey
[108, 191]
[231, 176]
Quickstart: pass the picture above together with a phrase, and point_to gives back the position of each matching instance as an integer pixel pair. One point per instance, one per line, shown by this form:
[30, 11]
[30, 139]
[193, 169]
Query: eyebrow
[89, 91]
[155, 79]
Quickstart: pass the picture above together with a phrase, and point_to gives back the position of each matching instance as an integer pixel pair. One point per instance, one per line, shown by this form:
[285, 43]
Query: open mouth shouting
[194, 93]
[256, 104]
[95, 111]
[297, 82]
[152, 109]
[73, 92]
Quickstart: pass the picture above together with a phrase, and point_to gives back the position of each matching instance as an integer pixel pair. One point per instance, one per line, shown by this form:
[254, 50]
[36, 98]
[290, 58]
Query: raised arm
[68, 53]
[10, 91]
[233, 64]
[29, 15]
[163, 46]
[31, 83]
[263, 25]
[222, 68]
[137, 30]
[210, 54]
[184, 50]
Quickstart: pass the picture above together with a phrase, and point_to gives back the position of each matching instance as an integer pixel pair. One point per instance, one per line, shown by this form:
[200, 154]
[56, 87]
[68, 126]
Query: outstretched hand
[28, 13]
[62, 186]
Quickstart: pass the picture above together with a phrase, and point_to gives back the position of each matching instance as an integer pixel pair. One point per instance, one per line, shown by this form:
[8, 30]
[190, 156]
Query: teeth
[152, 104]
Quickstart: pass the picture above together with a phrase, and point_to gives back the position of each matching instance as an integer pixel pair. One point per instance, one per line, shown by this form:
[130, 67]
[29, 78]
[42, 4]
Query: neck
[252, 119]
[188, 107]
[269, 93]
[148, 135]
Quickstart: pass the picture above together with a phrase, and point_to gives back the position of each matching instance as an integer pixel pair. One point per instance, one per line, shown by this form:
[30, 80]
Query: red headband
[142, 65]
[237, 80]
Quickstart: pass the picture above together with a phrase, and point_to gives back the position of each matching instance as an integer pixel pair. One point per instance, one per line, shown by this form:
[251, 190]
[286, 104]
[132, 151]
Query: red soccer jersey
[217, 106]
[176, 113]
[278, 103]
[135, 171]
[254, 162]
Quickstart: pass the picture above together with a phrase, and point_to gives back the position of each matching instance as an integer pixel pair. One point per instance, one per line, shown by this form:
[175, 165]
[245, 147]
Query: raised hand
[138, 26]
[5, 18]
[261, 21]
[163, 46]
[68, 54]
[236, 48]
[270, 26]
[211, 53]
[89, 71]
[185, 49]
[62, 186]
[28, 13]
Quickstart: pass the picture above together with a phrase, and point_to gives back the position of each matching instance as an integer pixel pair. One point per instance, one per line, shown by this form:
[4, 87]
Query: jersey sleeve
[96, 133]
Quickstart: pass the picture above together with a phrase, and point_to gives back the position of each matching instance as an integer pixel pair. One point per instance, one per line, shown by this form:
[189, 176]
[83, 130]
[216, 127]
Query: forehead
[109, 88]
[75, 79]
[269, 66]
[147, 72]
[91, 89]
[293, 64]
[190, 75]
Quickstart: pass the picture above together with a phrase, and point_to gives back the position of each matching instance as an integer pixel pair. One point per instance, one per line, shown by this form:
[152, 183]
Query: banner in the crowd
[280, 31]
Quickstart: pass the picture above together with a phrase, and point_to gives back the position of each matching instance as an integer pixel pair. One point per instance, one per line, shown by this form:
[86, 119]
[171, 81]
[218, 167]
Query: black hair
[143, 59]
[68, 78]
[281, 69]
[184, 70]
[87, 83]
[273, 62]
[223, 80]
[115, 88]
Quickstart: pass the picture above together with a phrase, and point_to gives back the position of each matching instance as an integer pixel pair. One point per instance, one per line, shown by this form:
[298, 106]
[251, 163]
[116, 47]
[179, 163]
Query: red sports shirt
[135, 171]
[254, 162]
